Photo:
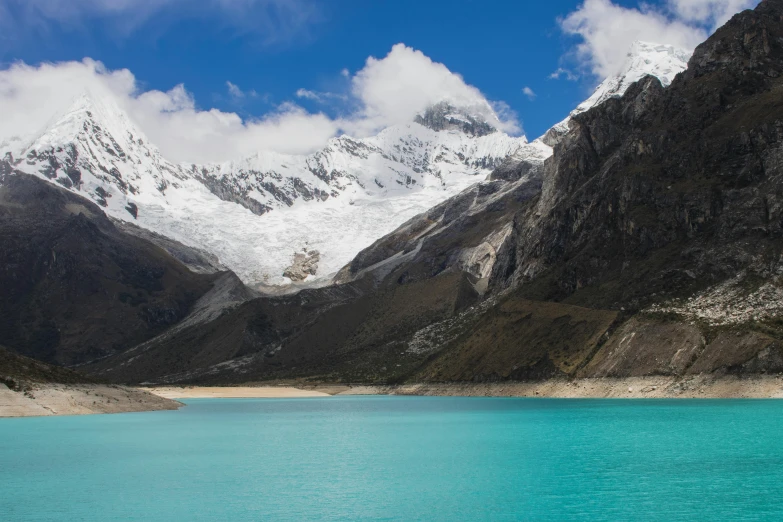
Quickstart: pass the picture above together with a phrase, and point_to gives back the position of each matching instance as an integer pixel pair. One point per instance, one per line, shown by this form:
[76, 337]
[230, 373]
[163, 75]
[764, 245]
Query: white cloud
[238, 94]
[395, 88]
[607, 30]
[30, 97]
[527, 91]
[308, 95]
[234, 90]
[564, 73]
[321, 97]
[272, 21]
[386, 91]
[712, 13]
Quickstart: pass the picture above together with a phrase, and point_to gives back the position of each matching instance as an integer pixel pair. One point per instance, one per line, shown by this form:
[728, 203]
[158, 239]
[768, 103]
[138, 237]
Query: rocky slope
[75, 287]
[646, 245]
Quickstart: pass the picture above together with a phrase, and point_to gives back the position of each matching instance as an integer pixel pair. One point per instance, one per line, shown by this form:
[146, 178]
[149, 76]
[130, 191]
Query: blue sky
[270, 49]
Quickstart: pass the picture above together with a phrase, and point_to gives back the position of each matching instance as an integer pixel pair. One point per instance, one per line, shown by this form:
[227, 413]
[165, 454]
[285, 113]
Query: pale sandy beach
[234, 392]
[55, 399]
[698, 386]
[663, 387]
[78, 399]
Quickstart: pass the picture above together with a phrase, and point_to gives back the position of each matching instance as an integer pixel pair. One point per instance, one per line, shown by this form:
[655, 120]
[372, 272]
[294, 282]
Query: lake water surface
[400, 458]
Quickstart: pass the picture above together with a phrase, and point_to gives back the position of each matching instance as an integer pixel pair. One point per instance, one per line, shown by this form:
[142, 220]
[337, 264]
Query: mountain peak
[94, 148]
[82, 102]
[90, 116]
[445, 116]
[651, 50]
[644, 58]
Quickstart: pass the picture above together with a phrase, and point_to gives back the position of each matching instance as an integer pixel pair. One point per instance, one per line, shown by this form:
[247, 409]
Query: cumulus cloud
[397, 87]
[712, 13]
[607, 30]
[386, 91]
[31, 96]
[527, 91]
[272, 21]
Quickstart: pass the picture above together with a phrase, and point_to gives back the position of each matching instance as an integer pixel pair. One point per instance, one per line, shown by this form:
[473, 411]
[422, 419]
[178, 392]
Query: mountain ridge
[259, 214]
[130, 179]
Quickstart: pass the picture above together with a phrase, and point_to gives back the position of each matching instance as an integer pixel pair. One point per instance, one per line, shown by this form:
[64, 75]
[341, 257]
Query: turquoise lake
[400, 458]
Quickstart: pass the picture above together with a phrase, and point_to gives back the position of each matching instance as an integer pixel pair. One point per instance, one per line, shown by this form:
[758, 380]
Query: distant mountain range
[278, 219]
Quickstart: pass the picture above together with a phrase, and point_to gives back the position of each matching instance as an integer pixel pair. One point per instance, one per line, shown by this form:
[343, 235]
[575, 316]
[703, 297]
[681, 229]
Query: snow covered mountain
[274, 218]
[644, 58]
[262, 213]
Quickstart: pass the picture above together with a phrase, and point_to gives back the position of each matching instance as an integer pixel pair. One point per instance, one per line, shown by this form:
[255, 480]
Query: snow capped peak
[644, 58]
[93, 148]
[97, 120]
[83, 102]
[472, 121]
[661, 60]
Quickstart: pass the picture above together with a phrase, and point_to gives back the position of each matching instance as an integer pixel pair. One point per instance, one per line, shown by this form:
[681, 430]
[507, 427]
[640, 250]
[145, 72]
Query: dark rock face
[227, 191]
[663, 192]
[133, 210]
[647, 347]
[740, 353]
[239, 189]
[74, 287]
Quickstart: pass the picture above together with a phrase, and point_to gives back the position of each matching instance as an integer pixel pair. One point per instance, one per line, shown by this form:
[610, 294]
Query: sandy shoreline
[57, 399]
[700, 386]
[696, 387]
[42, 400]
[233, 392]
